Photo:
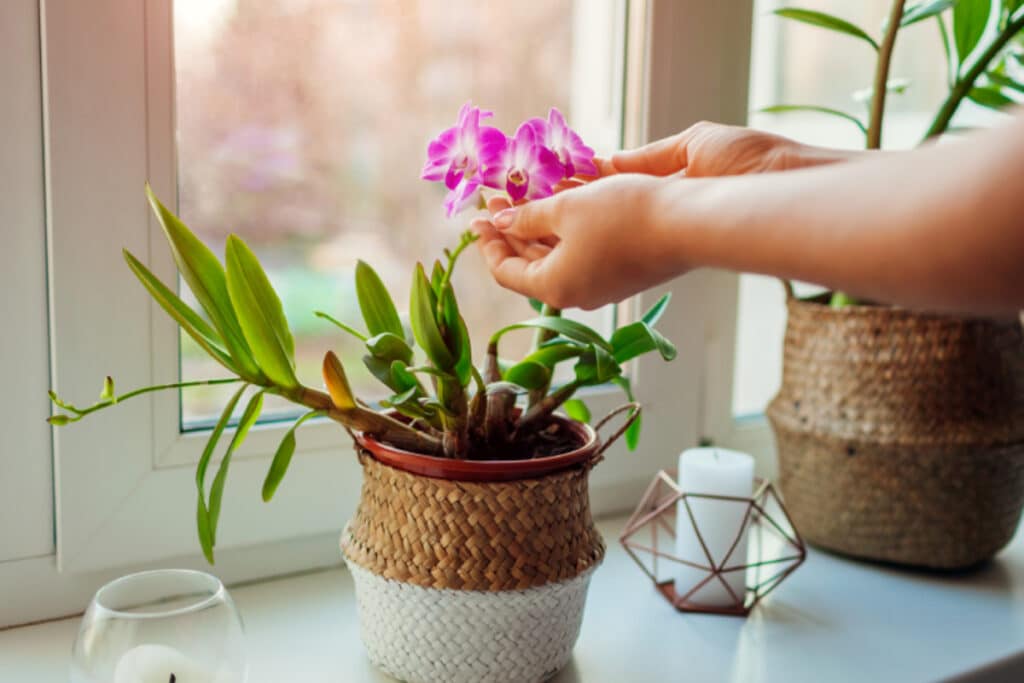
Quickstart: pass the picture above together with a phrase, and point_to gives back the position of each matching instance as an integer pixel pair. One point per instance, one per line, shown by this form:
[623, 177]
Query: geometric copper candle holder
[775, 548]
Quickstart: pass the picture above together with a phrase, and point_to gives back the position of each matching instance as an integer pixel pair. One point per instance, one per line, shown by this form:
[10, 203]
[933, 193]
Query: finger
[497, 203]
[509, 270]
[531, 251]
[605, 167]
[568, 184]
[662, 157]
[531, 221]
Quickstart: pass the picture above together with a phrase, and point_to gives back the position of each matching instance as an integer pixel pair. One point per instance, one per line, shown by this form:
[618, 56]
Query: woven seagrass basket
[467, 578]
[900, 435]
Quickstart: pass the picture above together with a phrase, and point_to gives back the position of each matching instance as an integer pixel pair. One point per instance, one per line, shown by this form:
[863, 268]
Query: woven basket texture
[900, 435]
[474, 536]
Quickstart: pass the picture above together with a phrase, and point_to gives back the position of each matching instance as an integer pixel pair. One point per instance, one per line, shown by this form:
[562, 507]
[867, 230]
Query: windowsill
[834, 620]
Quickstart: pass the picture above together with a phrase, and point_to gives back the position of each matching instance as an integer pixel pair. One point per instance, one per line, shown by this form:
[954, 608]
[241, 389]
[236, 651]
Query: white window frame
[123, 479]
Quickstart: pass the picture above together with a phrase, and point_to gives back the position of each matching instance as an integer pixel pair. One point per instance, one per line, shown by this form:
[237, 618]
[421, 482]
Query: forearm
[937, 228]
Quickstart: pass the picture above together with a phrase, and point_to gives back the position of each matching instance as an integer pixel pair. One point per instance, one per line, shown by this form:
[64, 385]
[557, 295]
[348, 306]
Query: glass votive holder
[163, 626]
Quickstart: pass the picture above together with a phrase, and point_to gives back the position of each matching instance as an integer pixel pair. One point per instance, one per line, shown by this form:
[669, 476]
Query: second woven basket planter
[900, 435]
[477, 575]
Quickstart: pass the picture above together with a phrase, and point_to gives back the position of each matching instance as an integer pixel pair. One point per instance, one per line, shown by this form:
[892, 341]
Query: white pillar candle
[719, 472]
[159, 664]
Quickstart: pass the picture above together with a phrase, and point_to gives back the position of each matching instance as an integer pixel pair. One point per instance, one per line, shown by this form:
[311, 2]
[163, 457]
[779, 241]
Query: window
[793, 63]
[125, 100]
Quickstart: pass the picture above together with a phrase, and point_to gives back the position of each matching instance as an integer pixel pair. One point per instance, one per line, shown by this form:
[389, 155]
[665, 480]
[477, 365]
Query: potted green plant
[900, 434]
[473, 544]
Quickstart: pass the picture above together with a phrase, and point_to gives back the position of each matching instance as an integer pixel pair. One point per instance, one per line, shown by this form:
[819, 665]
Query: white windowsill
[833, 620]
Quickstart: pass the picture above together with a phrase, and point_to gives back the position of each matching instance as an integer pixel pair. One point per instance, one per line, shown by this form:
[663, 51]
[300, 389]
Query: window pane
[793, 63]
[302, 125]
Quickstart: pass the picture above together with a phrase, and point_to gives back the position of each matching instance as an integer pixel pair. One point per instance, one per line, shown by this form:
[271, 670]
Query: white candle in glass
[719, 472]
[159, 664]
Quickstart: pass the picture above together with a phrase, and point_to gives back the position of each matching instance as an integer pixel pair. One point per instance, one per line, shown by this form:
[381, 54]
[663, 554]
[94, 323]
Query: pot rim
[485, 470]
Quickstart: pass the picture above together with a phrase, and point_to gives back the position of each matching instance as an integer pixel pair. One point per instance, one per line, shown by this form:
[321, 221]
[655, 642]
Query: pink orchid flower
[556, 135]
[454, 157]
[523, 167]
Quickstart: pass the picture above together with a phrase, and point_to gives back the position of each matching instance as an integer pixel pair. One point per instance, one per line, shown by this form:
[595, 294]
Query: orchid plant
[440, 403]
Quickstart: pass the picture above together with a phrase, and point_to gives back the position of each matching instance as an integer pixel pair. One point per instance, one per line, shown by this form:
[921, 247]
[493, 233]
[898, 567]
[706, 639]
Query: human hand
[713, 149]
[582, 248]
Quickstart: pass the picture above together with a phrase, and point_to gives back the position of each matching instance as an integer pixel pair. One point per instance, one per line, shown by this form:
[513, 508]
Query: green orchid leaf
[403, 377]
[653, 314]
[205, 336]
[203, 522]
[632, 434]
[596, 366]
[248, 419]
[351, 330]
[434, 372]
[1004, 81]
[969, 20]
[989, 97]
[925, 10]
[436, 278]
[458, 335]
[823, 20]
[528, 375]
[639, 338]
[204, 275]
[422, 305]
[536, 304]
[381, 369]
[388, 346]
[783, 108]
[260, 313]
[375, 302]
[577, 410]
[552, 354]
[283, 457]
[570, 329]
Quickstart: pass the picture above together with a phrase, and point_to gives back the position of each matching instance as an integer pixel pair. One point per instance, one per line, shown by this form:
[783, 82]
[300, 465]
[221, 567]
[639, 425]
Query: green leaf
[823, 20]
[577, 410]
[569, 329]
[381, 369]
[969, 20]
[436, 278]
[390, 347]
[536, 304]
[782, 108]
[458, 335]
[197, 328]
[422, 304]
[925, 10]
[897, 86]
[528, 375]
[203, 523]
[632, 434]
[374, 301]
[205, 276]
[351, 330]
[260, 313]
[596, 366]
[552, 354]
[1004, 81]
[283, 457]
[653, 314]
[639, 338]
[403, 377]
[248, 419]
[989, 97]
[841, 300]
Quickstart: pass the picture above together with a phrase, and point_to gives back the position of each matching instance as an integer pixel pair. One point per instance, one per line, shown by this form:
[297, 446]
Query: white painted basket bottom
[433, 635]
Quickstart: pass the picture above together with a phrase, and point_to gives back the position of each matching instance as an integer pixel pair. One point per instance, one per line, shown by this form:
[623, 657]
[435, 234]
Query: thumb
[531, 221]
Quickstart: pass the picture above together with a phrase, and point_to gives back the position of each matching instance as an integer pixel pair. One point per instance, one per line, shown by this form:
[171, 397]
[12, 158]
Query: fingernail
[503, 219]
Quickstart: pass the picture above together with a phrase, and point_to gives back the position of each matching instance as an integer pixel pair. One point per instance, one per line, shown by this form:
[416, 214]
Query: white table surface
[832, 620]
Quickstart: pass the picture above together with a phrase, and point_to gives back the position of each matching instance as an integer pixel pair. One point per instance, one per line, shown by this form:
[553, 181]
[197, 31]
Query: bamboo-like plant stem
[964, 83]
[874, 140]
